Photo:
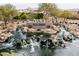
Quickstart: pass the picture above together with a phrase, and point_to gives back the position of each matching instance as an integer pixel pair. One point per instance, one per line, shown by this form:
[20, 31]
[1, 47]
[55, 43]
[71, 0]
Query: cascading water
[64, 35]
[32, 46]
[8, 45]
[33, 43]
[19, 33]
[20, 37]
[17, 36]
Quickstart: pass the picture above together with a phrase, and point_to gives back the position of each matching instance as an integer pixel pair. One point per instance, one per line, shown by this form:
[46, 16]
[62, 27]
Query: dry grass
[8, 54]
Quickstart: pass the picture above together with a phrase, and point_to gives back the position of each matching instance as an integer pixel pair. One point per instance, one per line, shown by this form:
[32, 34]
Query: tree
[7, 12]
[49, 9]
[65, 14]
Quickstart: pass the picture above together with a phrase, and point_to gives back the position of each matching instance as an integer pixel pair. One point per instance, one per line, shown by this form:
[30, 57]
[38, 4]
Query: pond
[33, 48]
[72, 49]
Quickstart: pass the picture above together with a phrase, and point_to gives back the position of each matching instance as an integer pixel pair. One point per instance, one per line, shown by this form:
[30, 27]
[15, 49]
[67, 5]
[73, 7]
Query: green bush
[29, 16]
[46, 35]
[29, 34]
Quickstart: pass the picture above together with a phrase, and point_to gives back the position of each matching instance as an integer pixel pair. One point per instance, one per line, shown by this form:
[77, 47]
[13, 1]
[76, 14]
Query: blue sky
[60, 5]
[21, 4]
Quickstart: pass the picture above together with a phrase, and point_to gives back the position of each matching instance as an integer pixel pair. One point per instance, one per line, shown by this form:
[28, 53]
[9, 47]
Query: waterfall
[19, 36]
[63, 34]
[22, 36]
[8, 45]
[32, 46]
[33, 43]
[32, 49]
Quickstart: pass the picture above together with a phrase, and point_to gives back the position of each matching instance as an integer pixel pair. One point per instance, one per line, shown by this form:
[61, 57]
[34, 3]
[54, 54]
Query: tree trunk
[5, 24]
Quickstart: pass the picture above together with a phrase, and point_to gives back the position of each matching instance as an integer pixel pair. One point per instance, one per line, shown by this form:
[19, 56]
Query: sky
[35, 5]
[60, 5]
[22, 4]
